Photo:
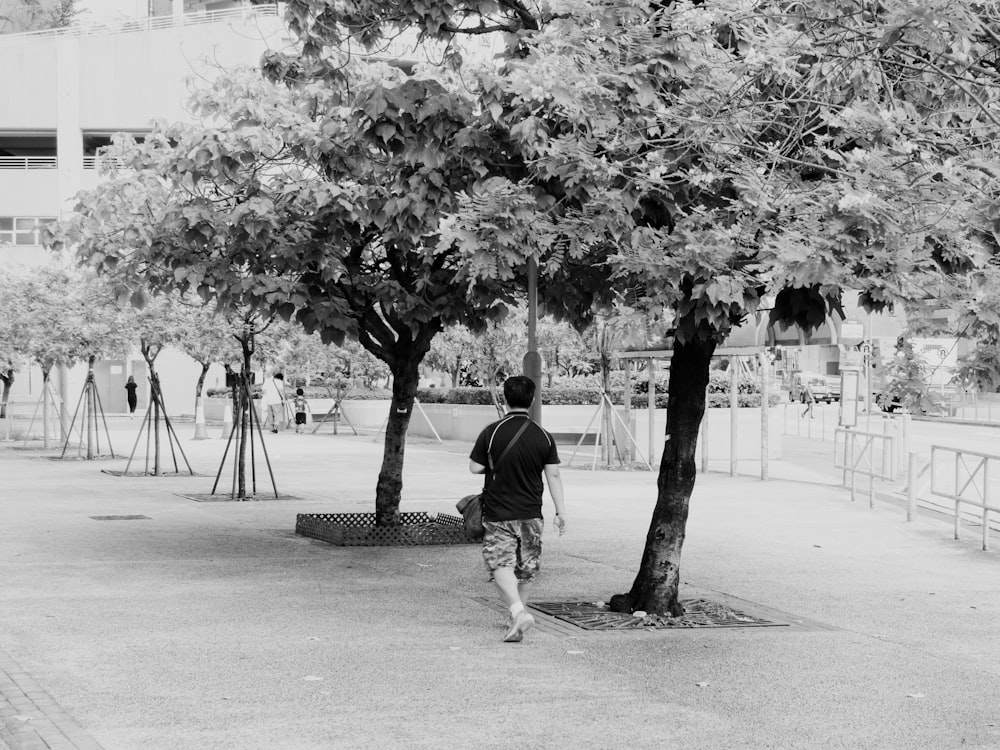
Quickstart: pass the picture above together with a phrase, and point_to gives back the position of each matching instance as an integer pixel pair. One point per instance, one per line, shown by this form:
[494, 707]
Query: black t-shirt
[516, 490]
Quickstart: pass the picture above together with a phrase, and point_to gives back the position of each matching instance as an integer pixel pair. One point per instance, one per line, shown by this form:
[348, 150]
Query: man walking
[808, 398]
[513, 453]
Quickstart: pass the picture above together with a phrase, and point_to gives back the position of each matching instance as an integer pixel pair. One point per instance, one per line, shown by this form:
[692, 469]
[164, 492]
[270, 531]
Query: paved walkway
[211, 625]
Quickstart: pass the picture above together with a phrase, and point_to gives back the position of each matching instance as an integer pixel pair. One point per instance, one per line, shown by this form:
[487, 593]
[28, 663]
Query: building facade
[66, 92]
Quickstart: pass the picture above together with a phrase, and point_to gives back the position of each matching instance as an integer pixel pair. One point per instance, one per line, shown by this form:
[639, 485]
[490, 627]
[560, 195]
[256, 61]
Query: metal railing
[865, 454]
[94, 162]
[970, 485]
[28, 162]
[152, 23]
[972, 406]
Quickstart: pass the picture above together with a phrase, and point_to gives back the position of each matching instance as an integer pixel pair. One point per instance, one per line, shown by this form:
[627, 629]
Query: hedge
[588, 396]
[315, 391]
[557, 396]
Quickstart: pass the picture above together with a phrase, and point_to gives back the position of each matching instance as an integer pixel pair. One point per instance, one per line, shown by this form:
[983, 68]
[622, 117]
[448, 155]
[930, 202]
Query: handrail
[94, 162]
[149, 24]
[979, 471]
[28, 162]
[859, 453]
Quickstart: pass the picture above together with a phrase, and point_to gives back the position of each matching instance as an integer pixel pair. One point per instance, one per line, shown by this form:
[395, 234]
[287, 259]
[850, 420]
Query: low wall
[215, 408]
[464, 422]
[363, 414]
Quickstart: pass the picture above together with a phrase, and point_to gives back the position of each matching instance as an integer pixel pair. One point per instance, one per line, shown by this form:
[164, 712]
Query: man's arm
[554, 480]
[476, 468]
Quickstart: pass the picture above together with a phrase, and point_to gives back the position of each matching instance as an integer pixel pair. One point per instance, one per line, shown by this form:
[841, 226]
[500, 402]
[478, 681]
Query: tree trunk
[45, 406]
[149, 354]
[8, 379]
[388, 491]
[199, 387]
[91, 409]
[655, 587]
[200, 431]
[607, 426]
[245, 424]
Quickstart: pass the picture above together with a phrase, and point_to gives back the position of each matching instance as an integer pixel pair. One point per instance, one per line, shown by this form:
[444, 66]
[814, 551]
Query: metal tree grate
[121, 518]
[698, 613]
[360, 530]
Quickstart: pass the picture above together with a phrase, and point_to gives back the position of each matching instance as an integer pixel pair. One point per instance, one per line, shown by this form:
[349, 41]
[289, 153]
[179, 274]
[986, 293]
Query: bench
[572, 437]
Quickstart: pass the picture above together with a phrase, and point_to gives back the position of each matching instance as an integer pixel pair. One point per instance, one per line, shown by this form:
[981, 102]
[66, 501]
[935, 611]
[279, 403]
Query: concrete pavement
[211, 625]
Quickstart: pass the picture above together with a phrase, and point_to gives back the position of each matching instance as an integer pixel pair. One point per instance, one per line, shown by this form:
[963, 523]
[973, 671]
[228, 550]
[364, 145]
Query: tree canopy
[708, 156]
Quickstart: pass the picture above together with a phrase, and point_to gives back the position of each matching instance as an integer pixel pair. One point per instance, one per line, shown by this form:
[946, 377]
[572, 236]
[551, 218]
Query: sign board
[850, 358]
[850, 395]
[851, 330]
[941, 357]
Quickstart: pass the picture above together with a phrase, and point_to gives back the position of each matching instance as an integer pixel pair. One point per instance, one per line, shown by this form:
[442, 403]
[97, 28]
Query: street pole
[532, 363]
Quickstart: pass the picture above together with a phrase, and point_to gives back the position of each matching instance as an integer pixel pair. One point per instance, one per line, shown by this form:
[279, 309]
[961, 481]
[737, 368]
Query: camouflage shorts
[514, 544]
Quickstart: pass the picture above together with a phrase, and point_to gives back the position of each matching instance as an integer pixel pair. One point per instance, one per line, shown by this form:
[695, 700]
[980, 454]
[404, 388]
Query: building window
[22, 230]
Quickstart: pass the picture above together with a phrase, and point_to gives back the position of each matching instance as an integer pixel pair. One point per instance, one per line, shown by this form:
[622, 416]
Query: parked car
[833, 385]
[822, 389]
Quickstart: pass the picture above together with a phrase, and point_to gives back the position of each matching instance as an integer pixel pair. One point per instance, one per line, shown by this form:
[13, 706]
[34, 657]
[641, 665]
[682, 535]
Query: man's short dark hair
[519, 392]
[278, 376]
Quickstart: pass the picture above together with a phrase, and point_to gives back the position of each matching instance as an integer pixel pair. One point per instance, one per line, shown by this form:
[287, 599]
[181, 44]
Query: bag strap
[506, 450]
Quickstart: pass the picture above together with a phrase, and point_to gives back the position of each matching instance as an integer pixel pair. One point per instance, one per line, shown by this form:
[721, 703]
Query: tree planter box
[359, 529]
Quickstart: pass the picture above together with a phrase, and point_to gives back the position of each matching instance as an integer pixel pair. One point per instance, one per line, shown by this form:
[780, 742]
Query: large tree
[319, 200]
[725, 150]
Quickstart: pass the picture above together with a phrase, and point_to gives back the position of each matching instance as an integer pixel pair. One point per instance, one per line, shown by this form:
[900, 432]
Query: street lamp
[531, 365]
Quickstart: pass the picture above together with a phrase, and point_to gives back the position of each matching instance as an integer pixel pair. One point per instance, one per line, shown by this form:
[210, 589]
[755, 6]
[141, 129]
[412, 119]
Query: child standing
[301, 408]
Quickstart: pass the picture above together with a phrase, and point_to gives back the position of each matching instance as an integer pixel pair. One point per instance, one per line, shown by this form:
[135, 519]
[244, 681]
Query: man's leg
[500, 545]
[506, 583]
[523, 589]
[521, 619]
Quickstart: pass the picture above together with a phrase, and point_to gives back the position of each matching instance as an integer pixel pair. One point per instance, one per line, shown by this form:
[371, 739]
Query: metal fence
[968, 483]
[150, 23]
[28, 162]
[860, 453]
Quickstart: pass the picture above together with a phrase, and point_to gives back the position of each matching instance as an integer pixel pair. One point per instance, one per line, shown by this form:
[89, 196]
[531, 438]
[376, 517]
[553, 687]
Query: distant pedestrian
[274, 400]
[130, 394]
[301, 409]
[808, 398]
[514, 453]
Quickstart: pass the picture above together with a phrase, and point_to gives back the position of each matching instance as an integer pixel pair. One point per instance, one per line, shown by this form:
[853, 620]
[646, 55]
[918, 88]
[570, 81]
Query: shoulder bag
[471, 506]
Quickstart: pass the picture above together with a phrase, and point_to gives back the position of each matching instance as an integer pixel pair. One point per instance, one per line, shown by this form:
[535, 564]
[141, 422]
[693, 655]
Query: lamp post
[531, 365]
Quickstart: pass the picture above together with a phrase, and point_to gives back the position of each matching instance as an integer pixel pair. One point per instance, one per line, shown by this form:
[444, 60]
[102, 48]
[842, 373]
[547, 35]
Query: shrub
[718, 382]
[255, 392]
[367, 394]
[585, 396]
[571, 396]
[744, 400]
[461, 395]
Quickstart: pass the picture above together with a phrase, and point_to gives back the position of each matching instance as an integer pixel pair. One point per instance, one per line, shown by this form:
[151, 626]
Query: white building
[65, 92]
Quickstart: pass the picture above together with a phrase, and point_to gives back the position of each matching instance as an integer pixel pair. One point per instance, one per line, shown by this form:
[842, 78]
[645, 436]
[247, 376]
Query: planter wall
[215, 408]
[464, 423]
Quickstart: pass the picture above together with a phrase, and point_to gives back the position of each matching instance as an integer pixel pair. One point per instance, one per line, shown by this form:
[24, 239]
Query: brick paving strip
[30, 719]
